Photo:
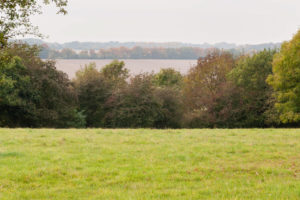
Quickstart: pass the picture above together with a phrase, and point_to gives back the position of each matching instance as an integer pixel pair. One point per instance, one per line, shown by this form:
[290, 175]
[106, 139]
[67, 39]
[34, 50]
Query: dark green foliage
[56, 100]
[94, 88]
[169, 83]
[92, 93]
[75, 119]
[170, 108]
[14, 84]
[255, 101]
[12, 81]
[134, 105]
[108, 100]
[33, 92]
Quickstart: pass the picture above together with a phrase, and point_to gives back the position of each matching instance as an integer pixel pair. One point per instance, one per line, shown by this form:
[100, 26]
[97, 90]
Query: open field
[149, 164]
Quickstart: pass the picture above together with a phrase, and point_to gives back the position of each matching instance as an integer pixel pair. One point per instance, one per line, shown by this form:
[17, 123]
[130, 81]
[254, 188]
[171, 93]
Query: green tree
[255, 101]
[168, 78]
[170, 107]
[115, 74]
[14, 85]
[92, 93]
[56, 97]
[169, 83]
[286, 81]
[15, 17]
[134, 105]
[95, 88]
[33, 92]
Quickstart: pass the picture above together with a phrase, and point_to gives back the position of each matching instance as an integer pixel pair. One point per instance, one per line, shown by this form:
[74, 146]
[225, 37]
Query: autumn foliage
[222, 90]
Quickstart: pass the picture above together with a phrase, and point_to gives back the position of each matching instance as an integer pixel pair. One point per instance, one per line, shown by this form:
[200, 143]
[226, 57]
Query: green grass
[149, 164]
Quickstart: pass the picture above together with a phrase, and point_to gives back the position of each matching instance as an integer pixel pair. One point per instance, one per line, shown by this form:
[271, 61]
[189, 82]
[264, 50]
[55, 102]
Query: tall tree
[286, 80]
[14, 87]
[115, 74]
[169, 83]
[92, 94]
[205, 87]
[33, 93]
[95, 87]
[255, 101]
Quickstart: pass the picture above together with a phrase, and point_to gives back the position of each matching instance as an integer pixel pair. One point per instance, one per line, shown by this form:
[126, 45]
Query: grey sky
[195, 21]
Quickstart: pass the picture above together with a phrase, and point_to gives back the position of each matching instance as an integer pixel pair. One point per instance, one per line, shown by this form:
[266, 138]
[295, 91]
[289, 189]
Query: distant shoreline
[117, 59]
[135, 66]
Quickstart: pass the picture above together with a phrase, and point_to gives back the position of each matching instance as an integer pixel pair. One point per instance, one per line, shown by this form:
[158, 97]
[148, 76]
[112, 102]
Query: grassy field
[149, 164]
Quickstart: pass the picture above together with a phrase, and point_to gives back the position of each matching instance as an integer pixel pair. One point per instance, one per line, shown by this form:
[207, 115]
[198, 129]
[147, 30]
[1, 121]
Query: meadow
[149, 164]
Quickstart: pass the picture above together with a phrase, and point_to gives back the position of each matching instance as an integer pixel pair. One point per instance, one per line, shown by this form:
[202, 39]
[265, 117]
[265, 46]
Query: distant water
[135, 66]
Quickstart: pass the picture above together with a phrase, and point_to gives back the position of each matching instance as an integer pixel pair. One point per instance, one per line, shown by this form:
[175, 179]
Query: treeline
[129, 53]
[221, 91]
[114, 44]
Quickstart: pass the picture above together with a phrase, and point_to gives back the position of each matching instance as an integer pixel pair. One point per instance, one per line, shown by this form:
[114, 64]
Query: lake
[135, 66]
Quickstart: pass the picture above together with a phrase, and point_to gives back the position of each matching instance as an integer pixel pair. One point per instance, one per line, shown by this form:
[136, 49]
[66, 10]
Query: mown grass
[149, 164]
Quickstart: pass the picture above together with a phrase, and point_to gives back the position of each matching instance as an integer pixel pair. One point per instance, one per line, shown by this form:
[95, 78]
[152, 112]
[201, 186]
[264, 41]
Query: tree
[170, 107]
[168, 78]
[15, 17]
[205, 88]
[14, 85]
[95, 88]
[56, 101]
[286, 81]
[134, 105]
[92, 93]
[168, 91]
[255, 101]
[115, 74]
[33, 93]
[68, 54]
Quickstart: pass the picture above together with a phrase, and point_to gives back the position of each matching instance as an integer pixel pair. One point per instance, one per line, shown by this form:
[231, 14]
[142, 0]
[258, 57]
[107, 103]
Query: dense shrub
[255, 99]
[34, 93]
[170, 108]
[134, 105]
[92, 93]
[96, 88]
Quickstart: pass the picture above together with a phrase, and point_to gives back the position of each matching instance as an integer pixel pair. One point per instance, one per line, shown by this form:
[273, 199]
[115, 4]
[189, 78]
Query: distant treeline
[139, 50]
[127, 53]
[108, 45]
[221, 91]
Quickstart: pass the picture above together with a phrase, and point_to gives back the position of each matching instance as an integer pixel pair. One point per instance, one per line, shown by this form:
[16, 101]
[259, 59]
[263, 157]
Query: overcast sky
[193, 21]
